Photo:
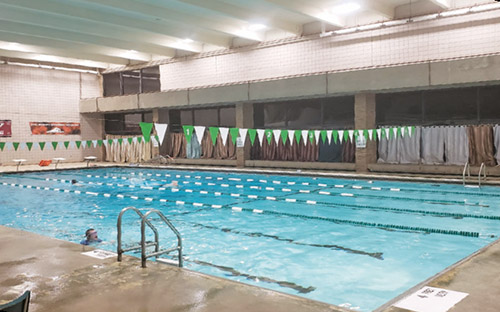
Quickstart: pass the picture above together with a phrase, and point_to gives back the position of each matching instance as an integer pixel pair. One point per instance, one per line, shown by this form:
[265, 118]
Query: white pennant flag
[379, 134]
[161, 129]
[224, 133]
[387, 133]
[260, 133]
[72, 144]
[94, 142]
[409, 131]
[403, 129]
[370, 134]
[243, 134]
[395, 132]
[115, 141]
[351, 133]
[9, 145]
[291, 136]
[276, 134]
[329, 136]
[317, 134]
[134, 140]
[200, 132]
[105, 142]
[304, 136]
[341, 135]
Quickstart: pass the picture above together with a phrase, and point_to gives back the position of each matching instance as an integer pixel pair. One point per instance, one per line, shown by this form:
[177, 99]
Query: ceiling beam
[19, 57]
[445, 4]
[379, 8]
[310, 10]
[81, 10]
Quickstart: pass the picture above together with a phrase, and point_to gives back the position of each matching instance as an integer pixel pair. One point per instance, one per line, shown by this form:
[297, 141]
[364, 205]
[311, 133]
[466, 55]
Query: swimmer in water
[173, 184]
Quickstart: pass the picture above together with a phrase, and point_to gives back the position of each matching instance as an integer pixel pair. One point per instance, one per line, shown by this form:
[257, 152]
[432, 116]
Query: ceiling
[110, 33]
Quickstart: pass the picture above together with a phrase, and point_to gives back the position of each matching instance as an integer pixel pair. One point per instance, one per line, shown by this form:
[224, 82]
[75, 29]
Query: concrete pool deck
[62, 279]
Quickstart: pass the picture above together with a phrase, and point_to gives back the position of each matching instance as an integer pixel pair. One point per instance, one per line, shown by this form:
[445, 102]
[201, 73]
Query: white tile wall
[441, 39]
[35, 95]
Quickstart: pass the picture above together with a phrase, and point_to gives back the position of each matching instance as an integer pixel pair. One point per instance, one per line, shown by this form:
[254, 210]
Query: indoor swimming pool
[352, 243]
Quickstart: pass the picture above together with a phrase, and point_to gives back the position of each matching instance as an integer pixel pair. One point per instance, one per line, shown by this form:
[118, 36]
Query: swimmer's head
[74, 181]
[175, 183]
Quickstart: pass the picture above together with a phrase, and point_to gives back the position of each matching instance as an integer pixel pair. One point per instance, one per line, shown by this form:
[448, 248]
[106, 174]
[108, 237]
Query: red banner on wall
[55, 127]
[5, 128]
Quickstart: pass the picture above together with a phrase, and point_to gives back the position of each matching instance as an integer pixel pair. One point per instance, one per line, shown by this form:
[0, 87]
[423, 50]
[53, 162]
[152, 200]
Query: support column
[364, 118]
[244, 119]
[156, 117]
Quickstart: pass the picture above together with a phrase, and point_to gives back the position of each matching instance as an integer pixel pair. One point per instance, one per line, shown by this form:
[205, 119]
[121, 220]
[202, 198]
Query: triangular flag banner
[284, 136]
[129, 141]
[269, 135]
[9, 145]
[403, 130]
[323, 136]
[341, 135]
[317, 134]
[335, 135]
[89, 143]
[252, 134]
[54, 145]
[105, 142]
[234, 134]
[277, 135]
[115, 141]
[243, 134]
[310, 134]
[99, 142]
[297, 134]
[2, 145]
[22, 146]
[396, 131]
[379, 134]
[260, 133]
[370, 134]
[94, 142]
[366, 134]
[188, 132]
[387, 133]
[200, 133]
[42, 145]
[66, 144]
[304, 136]
[72, 144]
[329, 136]
[16, 145]
[291, 135]
[346, 135]
[134, 140]
[224, 132]
[412, 130]
[110, 142]
[138, 139]
[350, 133]
[214, 131]
[120, 141]
[146, 128]
[161, 129]
[29, 145]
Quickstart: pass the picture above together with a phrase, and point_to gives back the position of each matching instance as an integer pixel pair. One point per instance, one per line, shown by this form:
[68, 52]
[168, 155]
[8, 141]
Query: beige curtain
[481, 148]
[128, 152]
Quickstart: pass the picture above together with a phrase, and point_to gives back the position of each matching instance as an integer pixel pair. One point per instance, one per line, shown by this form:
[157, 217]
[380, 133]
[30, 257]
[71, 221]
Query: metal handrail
[119, 249]
[466, 169]
[157, 252]
[481, 169]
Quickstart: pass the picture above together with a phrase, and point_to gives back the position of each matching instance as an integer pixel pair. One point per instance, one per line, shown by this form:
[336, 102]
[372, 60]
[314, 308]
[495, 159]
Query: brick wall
[36, 95]
[440, 39]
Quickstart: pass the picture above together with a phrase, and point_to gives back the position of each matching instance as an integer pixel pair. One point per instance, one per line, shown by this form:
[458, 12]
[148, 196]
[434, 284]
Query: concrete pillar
[244, 119]
[156, 118]
[364, 118]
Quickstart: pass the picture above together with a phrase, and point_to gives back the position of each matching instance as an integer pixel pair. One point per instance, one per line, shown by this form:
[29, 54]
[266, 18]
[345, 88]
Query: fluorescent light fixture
[132, 51]
[326, 34]
[395, 22]
[445, 3]
[370, 26]
[345, 31]
[188, 40]
[486, 7]
[346, 8]
[256, 27]
[455, 12]
[425, 17]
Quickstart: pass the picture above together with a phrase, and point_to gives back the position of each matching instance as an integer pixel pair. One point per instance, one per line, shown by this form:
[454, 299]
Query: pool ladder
[143, 244]
[482, 172]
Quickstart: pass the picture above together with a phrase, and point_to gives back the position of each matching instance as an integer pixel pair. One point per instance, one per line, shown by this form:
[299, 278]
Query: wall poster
[55, 128]
[5, 128]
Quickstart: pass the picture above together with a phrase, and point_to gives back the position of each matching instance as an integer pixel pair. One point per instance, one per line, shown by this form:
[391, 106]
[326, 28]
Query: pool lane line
[376, 255]
[344, 194]
[334, 220]
[311, 202]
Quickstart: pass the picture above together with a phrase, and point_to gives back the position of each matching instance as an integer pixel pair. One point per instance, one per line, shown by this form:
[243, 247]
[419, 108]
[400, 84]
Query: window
[397, 108]
[132, 82]
[126, 123]
[208, 117]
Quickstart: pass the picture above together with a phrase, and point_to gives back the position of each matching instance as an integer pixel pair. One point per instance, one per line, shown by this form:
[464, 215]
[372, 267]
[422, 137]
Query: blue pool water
[353, 243]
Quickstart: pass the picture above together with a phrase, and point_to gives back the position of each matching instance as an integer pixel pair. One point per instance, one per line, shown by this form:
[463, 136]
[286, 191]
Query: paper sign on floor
[99, 254]
[430, 299]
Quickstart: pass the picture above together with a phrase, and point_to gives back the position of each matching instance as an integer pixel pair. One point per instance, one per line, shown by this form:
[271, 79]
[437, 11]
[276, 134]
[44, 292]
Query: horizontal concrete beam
[163, 99]
[118, 103]
[288, 88]
[475, 70]
[88, 105]
[225, 94]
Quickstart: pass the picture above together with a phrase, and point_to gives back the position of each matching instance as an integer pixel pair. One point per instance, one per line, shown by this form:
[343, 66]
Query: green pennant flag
[29, 145]
[78, 144]
[110, 142]
[42, 145]
[139, 139]
[412, 130]
[188, 132]
[16, 145]
[298, 135]
[310, 135]
[268, 133]
[383, 136]
[366, 134]
[54, 145]
[120, 141]
[323, 136]
[234, 134]
[214, 131]
[252, 133]
[89, 143]
[346, 135]
[146, 128]
[99, 142]
[398, 133]
[129, 141]
[335, 135]
[2, 145]
[284, 136]
[66, 144]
